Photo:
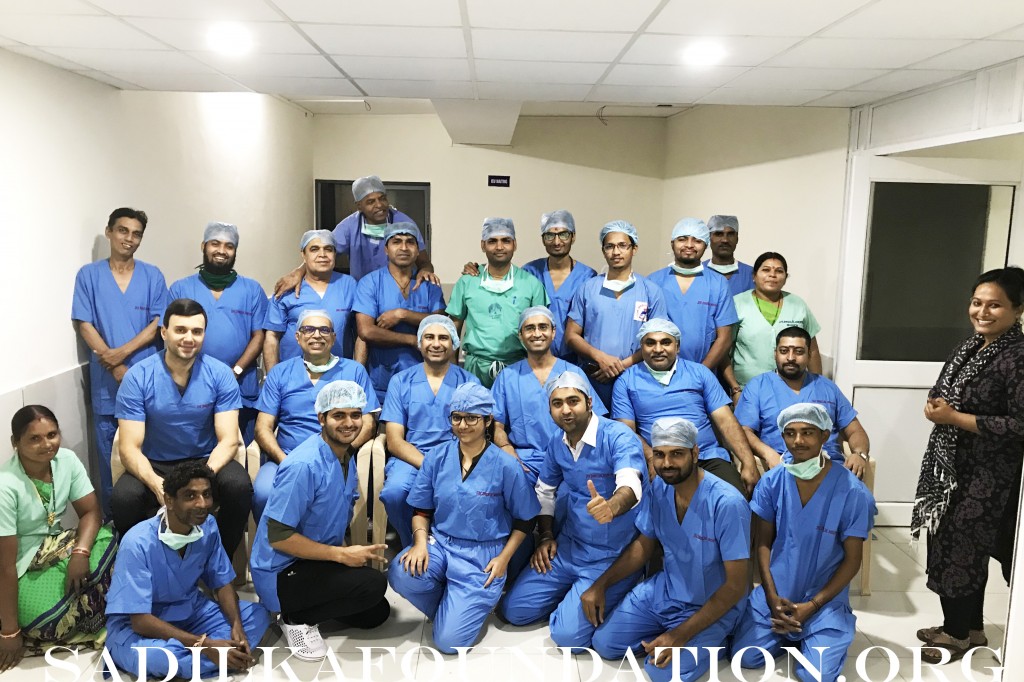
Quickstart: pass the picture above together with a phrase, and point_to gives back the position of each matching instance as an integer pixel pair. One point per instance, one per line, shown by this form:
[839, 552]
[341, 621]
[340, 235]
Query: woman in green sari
[53, 582]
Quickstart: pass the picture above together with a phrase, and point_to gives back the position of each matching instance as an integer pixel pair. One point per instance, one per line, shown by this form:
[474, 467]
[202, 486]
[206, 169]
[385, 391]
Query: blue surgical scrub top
[150, 577]
[560, 298]
[741, 280]
[610, 324]
[283, 313]
[617, 448]
[706, 306]
[481, 508]
[365, 253]
[231, 321]
[377, 293]
[521, 405]
[411, 403]
[118, 317]
[692, 393]
[768, 394]
[715, 529]
[313, 495]
[289, 396]
[177, 426]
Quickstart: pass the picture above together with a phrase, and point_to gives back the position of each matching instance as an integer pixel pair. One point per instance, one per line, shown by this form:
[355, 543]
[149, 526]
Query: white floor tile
[403, 630]
[893, 570]
[897, 534]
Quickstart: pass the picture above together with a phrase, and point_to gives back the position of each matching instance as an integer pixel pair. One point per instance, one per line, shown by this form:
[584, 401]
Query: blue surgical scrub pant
[261, 488]
[247, 424]
[208, 619]
[644, 615]
[104, 427]
[398, 479]
[556, 594]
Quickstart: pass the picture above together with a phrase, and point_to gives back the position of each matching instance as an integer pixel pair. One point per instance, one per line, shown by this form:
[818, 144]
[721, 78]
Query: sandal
[977, 637]
[932, 653]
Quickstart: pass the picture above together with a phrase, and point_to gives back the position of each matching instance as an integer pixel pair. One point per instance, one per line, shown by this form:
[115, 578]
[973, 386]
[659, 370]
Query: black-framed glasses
[550, 237]
[309, 330]
[467, 419]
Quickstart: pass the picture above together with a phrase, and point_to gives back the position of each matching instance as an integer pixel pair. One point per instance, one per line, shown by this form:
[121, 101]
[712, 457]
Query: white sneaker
[305, 641]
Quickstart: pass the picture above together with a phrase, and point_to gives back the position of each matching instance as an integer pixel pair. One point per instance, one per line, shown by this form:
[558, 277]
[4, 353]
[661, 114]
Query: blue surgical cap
[620, 226]
[471, 398]
[367, 185]
[536, 310]
[225, 232]
[441, 320]
[673, 431]
[325, 236]
[402, 228]
[568, 379]
[717, 223]
[340, 395]
[691, 227]
[560, 218]
[314, 312]
[497, 227]
[658, 324]
[809, 413]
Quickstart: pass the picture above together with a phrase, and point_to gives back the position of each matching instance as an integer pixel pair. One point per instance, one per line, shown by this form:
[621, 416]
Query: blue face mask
[809, 469]
[175, 540]
[661, 376]
[374, 231]
[724, 269]
[688, 271]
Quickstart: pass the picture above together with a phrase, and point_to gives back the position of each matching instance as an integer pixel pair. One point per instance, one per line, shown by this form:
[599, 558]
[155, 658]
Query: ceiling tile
[160, 61]
[1012, 34]
[378, 105]
[547, 45]
[301, 87]
[763, 96]
[849, 98]
[689, 76]
[862, 53]
[45, 57]
[739, 51]
[233, 10]
[298, 65]
[570, 15]
[405, 68]
[185, 82]
[381, 13]
[654, 94]
[750, 17]
[538, 72]
[109, 80]
[588, 109]
[930, 19]
[908, 79]
[976, 55]
[46, 7]
[190, 35]
[74, 31]
[804, 79]
[536, 92]
[420, 89]
[398, 41]
[7, 41]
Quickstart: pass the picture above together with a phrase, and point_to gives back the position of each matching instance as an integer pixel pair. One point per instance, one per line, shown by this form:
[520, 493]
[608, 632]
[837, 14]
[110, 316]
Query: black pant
[725, 470]
[133, 502]
[312, 592]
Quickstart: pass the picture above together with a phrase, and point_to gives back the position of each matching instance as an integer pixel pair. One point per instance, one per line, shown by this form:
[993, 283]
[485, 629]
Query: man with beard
[768, 394]
[703, 526]
[725, 235]
[666, 385]
[155, 602]
[176, 406]
[697, 300]
[235, 307]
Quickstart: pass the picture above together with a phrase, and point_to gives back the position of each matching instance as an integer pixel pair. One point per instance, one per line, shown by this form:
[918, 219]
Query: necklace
[51, 514]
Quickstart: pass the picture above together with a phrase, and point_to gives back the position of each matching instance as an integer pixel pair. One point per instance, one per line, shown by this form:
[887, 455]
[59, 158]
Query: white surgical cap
[471, 398]
[673, 431]
[620, 226]
[568, 379]
[225, 232]
[340, 395]
[497, 227]
[442, 321]
[533, 311]
[691, 227]
[325, 236]
[402, 228]
[367, 185]
[314, 312]
[809, 413]
[560, 218]
[718, 223]
[658, 324]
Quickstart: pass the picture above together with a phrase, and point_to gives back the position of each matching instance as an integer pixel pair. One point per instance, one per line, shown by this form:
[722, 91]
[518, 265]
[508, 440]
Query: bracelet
[12, 635]
[864, 455]
[416, 529]
[735, 389]
[82, 550]
[817, 606]
[199, 642]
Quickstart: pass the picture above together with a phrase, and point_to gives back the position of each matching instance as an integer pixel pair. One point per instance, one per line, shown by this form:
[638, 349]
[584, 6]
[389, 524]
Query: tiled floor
[899, 605]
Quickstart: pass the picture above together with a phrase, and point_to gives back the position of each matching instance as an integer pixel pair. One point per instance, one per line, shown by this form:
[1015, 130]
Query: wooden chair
[370, 463]
[865, 563]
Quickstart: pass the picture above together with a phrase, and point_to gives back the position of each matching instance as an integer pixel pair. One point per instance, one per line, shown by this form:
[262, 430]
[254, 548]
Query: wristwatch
[237, 370]
[864, 455]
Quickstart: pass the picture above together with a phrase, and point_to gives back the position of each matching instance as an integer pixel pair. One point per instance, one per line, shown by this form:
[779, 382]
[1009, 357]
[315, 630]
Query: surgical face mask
[175, 540]
[320, 369]
[375, 231]
[497, 286]
[724, 269]
[688, 271]
[661, 376]
[619, 285]
[809, 469]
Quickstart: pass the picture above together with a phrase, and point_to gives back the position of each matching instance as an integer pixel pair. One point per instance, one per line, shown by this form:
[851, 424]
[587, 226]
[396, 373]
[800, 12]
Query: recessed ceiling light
[703, 53]
[229, 39]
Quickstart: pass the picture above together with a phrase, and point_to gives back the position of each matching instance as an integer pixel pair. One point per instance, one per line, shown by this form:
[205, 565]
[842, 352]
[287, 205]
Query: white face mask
[320, 369]
[375, 231]
[724, 269]
[175, 540]
[497, 286]
[619, 285]
[688, 271]
[661, 376]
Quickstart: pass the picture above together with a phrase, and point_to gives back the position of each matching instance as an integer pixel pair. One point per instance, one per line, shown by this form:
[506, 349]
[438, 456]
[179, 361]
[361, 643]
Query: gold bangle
[12, 635]
[416, 529]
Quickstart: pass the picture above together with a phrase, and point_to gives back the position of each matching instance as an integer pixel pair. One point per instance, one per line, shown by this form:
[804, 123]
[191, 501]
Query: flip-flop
[977, 637]
[956, 652]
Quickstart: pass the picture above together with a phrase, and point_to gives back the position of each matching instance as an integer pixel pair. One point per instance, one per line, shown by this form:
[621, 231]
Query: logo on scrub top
[494, 311]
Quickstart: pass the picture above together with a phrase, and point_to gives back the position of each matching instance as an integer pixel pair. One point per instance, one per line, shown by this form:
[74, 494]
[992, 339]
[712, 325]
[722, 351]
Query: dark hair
[770, 255]
[186, 472]
[793, 333]
[185, 307]
[28, 414]
[125, 212]
[1010, 280]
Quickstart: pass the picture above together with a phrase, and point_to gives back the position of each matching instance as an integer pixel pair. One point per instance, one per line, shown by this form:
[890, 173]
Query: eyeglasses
[623, 246]
[467, 419]
[309, 330]
[550, 237]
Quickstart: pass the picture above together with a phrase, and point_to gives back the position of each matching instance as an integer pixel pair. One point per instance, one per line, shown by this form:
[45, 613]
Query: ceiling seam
[625, 48]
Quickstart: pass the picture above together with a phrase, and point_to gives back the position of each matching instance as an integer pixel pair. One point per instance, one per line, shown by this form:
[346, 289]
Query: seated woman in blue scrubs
[286, 416]
[473, 511]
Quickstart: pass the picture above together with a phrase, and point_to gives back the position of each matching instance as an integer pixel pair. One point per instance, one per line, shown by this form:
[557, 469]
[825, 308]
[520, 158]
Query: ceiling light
[703, 53]
[229, 39]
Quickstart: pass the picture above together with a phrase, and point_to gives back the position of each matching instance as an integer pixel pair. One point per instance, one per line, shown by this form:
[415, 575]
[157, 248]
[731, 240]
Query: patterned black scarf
[938, 473]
